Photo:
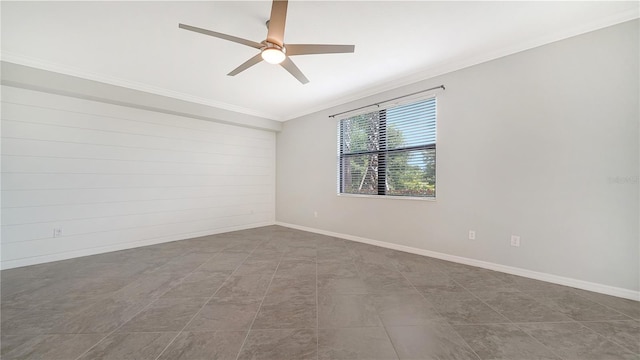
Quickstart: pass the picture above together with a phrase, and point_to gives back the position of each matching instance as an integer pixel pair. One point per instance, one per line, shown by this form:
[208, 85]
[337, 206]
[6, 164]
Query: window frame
[382, 153]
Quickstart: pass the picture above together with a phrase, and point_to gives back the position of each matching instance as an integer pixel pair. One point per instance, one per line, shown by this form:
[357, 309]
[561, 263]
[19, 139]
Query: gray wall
[542, 144]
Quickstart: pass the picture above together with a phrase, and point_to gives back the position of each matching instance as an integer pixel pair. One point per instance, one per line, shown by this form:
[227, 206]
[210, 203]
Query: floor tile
[215, 345]
[269, 255]
[133, 346]
[329, 243]
[466, 309]
[58, 346]
[250, 285]
[103, 316]
[64, 290]
[355, 343]
[224, 261]
[299, 286]
[625, 333]
[149, 286]
[428, 280]
[379, 285]
[436, 340]
[578, 307]
[530, 285]
[379, 271]
[296, 268]
[404, 309]
[20, 288]
[32, 321]
[300, 253]
[182, 265]
[503, 341]
[574, 341]
[342, 310]
[329, 284]
[280, 344]
[257, 267]
[170, 314]
[198, 284]
[287, 283]
[337, 269]
[631, 308]
[418, 266]
[481, 281]
[334, 255]
[289, 312]
[449, 289]
[519, 307]
[231, 313]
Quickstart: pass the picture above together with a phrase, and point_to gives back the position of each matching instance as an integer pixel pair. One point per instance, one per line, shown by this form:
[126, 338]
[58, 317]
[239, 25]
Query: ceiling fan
[273, 49]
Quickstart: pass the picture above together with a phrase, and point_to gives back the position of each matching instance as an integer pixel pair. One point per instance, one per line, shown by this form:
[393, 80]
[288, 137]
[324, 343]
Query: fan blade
[306, 49]
[293, 70]
[247, 64]
[238, 40]
[276, 22]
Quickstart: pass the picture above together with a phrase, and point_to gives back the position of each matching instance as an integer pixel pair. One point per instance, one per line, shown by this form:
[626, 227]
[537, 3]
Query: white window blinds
[390, 151]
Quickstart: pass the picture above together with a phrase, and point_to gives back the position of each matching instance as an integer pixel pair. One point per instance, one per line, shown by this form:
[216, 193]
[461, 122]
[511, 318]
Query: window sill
[413, 198]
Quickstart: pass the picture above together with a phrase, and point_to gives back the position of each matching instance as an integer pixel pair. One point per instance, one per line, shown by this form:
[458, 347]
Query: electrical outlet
[472, 235]
[315, 214]
[515, 240]
[57, 232]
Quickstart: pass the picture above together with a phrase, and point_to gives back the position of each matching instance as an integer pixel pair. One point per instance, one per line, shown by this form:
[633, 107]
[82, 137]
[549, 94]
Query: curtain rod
[381, 102]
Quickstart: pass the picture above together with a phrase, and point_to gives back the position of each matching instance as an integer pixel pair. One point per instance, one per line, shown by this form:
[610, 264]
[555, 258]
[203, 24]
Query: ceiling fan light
[273, 55]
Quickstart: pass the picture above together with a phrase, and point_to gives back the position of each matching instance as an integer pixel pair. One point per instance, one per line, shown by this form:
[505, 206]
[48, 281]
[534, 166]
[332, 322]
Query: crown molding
[66, 70]
[465, 62]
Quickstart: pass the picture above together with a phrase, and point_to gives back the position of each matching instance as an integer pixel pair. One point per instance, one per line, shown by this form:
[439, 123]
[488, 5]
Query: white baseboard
[561, 280]
[9, 264]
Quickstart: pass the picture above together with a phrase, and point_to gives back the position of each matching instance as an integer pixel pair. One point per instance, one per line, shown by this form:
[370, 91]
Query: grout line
[143, 135]
[206, 302]
[135, 187]
[143, 309]
[130, 174]
[371, 295]
[137, 160]
[135, 147]
[509, 320]
[606, 306]
[438, 312]
[610, 320]
[386, 331]
[139, 200]
[611, 339]
[259, 307]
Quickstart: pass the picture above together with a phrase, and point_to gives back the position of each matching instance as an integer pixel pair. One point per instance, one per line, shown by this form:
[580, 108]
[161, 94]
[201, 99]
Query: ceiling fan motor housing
[273, 53]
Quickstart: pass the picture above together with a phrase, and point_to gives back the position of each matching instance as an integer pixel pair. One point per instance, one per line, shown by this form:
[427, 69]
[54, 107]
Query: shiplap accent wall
[115, 177]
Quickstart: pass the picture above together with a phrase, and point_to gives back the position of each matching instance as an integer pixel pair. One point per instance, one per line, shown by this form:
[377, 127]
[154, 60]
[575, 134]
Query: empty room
[303, 179]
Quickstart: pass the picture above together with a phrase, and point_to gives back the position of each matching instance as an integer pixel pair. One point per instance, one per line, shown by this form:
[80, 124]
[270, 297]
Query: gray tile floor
[278, 293]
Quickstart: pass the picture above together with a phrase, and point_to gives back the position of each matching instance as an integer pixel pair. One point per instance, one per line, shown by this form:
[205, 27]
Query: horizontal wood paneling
[35, 198]
[116, 177]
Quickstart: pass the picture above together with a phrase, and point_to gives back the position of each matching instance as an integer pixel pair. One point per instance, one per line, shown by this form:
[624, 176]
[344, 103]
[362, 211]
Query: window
[389, 152]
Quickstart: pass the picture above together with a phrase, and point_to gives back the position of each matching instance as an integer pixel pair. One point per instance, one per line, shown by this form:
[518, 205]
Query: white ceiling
[139, 45]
